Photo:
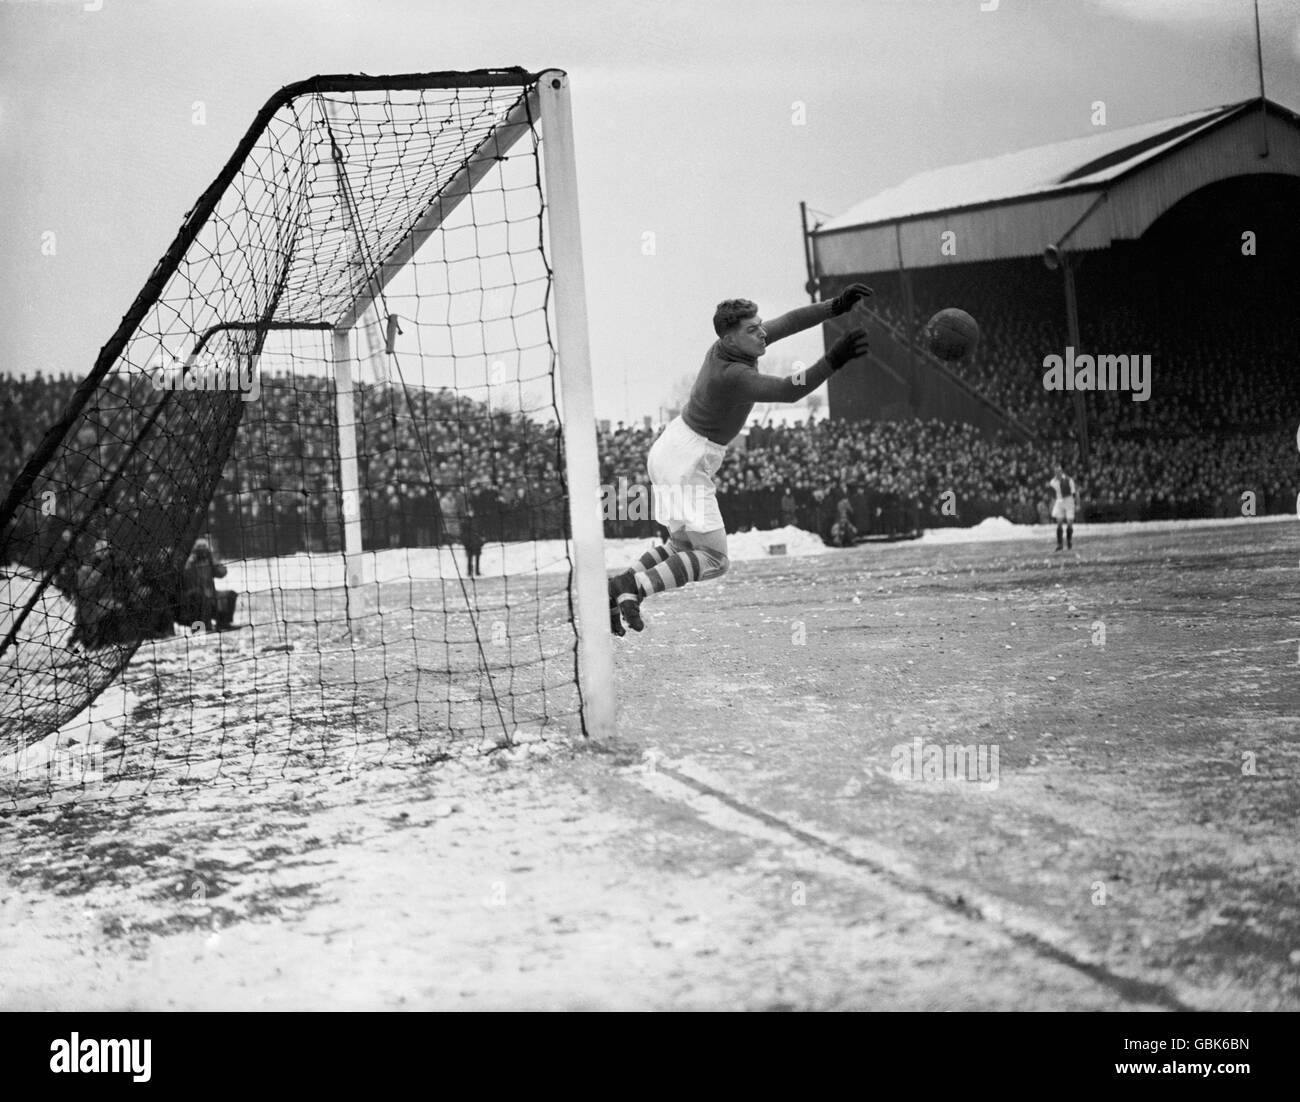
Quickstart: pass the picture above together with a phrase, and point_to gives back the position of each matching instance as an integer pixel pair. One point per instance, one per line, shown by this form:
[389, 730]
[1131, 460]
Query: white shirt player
[1063, 507]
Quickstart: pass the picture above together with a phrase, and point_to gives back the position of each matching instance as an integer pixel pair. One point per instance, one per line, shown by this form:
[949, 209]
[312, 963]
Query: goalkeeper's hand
[845, 300]
[850, 346]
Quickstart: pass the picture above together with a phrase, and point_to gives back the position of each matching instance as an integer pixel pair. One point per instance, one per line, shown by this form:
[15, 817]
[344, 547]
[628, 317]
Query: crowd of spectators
[280, 487]
[953, 474]
[1220, 363]
[282, 480]
[28, 406]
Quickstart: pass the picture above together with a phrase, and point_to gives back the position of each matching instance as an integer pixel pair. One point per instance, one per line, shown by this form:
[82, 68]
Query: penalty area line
[964, 903]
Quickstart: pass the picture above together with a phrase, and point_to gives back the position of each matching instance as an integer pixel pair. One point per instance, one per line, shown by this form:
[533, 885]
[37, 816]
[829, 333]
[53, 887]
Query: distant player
[471, 536]
[1063, 507]
[688, 453]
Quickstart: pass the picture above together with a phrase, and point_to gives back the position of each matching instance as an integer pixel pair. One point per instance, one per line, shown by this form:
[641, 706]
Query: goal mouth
[350, 353]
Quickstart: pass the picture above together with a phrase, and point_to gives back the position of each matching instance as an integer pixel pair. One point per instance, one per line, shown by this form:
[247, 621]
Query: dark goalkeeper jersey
[729, 385]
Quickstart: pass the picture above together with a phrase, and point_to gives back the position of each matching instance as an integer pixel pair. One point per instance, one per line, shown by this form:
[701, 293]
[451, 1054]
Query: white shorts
[682, 464]
[1063, 509]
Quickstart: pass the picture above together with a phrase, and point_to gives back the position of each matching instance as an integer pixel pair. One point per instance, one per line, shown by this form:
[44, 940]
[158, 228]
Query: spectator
[789, 510]
[844, 533]
[201, 602]
[100, 616]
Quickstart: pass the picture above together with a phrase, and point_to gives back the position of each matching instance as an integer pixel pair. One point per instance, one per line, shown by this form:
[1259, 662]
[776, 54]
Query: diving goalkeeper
[687, 454]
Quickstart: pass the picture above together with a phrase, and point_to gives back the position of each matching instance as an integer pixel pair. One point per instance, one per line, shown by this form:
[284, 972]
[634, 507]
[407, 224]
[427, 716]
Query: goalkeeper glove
[850, 346]
[845, 300]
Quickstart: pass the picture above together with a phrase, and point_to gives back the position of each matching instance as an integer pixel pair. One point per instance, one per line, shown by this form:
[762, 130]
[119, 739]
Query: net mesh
[311, 497]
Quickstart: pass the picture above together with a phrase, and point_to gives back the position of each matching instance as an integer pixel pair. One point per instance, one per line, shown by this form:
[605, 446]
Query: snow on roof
[1072, 163]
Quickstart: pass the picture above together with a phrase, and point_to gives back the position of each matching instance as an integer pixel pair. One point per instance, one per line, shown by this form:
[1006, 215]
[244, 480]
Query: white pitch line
[856, 857]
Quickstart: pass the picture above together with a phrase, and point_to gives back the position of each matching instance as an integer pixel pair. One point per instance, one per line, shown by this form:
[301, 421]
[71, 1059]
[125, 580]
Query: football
[951, 334]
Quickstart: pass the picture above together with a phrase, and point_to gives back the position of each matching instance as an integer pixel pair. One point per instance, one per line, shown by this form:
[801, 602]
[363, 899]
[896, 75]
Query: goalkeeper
[687, 454]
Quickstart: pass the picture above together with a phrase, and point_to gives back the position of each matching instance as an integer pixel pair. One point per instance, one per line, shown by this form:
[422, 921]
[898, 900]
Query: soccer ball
[951, 334]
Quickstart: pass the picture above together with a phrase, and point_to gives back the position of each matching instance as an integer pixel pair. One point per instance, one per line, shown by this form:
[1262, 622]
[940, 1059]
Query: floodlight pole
[581, 457]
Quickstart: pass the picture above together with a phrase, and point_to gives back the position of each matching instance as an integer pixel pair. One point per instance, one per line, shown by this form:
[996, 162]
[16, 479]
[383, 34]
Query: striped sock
[681, 569]
[654, 556]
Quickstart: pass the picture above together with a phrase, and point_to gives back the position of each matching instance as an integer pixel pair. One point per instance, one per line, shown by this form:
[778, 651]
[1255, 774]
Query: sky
[704, 123]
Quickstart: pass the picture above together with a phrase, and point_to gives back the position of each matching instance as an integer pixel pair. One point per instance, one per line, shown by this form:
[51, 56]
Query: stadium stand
[1163, 273]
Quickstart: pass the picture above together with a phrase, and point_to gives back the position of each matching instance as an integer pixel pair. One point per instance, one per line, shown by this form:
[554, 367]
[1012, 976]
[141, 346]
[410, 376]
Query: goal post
[582, 459]
[354, 571]
[361, 369]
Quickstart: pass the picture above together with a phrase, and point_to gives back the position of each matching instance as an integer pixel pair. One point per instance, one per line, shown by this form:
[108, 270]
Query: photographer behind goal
[201, 601]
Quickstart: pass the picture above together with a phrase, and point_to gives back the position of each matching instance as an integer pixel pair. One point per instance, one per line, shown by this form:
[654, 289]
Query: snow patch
[988, 530]
[995, 529]
[326, 570]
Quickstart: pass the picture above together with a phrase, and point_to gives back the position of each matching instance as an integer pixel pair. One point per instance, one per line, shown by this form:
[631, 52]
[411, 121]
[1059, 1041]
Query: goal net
[332, 482]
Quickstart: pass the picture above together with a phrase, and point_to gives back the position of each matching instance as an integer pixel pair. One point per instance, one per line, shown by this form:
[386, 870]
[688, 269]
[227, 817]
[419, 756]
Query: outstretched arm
[805, 317]
[796, 321]
[753, 386]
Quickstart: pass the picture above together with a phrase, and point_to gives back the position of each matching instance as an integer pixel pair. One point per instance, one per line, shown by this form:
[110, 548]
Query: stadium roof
[1045, 168]
[1016, 203]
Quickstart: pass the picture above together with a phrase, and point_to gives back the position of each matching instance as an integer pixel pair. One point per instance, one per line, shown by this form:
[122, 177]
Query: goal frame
[546, 107]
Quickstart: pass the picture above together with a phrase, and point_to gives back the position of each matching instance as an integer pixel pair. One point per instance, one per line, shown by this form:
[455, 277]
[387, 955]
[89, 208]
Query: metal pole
[811, 285]
[1059, 253]
[1263, 103]
[905, 285]
[1072, 323]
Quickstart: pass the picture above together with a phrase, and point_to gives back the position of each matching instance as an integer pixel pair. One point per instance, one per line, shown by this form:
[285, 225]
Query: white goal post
[582, 460]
